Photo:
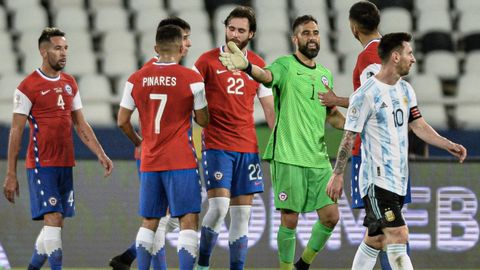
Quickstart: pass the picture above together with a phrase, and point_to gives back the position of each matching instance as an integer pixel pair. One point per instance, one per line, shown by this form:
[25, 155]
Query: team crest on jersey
[52, 201]
[405, 100]
[282, 196]
[218, 176]
[389, 216]
[68, 89]
[325, 81]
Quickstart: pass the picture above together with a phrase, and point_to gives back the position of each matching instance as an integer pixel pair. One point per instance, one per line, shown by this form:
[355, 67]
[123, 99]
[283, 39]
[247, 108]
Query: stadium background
[109, 39]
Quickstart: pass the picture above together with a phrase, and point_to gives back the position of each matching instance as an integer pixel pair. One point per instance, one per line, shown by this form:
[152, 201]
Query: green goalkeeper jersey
[299, 134]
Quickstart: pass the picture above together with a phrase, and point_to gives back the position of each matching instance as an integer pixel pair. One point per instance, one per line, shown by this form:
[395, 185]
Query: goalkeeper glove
[235, 60]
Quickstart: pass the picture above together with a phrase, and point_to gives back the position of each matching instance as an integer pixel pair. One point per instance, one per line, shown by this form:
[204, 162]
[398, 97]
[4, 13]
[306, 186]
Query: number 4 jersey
[165, 95]
[48, 103]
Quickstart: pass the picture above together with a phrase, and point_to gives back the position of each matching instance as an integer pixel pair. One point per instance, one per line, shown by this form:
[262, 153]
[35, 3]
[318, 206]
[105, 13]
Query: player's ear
[157, 49]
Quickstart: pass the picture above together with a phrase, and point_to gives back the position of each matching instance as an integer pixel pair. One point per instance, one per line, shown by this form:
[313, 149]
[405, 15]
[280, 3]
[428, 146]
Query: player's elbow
[202, 117]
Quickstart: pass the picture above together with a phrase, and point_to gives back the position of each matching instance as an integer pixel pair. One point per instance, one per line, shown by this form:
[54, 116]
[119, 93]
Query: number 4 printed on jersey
[161, 107]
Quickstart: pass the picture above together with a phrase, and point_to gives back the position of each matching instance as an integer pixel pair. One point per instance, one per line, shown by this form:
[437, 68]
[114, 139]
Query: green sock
[286, 247]
[320, 235]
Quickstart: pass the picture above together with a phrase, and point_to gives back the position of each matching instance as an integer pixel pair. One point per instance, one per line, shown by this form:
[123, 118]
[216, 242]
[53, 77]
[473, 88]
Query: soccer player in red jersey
[231, 163]
[49, 99]
[167, 224]
[165, 95]
[364, 20]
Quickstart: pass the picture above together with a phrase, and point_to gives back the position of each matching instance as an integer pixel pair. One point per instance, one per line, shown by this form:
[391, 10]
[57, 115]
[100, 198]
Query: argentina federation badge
[389, 216]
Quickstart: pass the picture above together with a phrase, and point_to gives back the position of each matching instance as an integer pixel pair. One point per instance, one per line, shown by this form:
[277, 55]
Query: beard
[57, 66]
[309, 53]
[239, 44]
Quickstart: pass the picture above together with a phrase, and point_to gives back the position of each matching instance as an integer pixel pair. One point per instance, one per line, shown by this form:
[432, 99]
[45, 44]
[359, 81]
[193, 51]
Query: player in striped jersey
[296, 150]
[364, 19]
[381, 111]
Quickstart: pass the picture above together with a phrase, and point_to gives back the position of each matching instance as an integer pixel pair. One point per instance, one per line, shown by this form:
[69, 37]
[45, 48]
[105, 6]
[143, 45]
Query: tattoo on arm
[344, 151]
[85, 136]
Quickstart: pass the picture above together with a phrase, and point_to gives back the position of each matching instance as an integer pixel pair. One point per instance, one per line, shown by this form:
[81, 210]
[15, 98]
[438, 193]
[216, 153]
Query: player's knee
[330, 220]
[217, 210]
[398, 235]
[289, 219]
[375, 242]
[150, 223]
[54, 219]
[189, 222]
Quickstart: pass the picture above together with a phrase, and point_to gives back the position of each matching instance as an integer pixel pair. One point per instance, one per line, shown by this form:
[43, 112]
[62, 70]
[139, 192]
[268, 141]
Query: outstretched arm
[85, 132]
[425, 132]
[236, 60]
[330, 99]
[11, 187]
[335, 184]
[336, 118]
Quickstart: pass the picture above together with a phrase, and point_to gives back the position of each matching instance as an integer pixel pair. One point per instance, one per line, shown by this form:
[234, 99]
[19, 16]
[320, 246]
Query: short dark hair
[392, 42]
[366, 15]
[168, 35]
[175, 21]
[303, 20]
[49, 32]
[243, 12]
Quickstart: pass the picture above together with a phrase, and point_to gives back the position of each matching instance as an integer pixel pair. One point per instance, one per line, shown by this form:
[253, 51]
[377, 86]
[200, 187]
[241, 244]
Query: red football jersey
[230, 96]
[165, 95]
[49, 103]
[368, 64]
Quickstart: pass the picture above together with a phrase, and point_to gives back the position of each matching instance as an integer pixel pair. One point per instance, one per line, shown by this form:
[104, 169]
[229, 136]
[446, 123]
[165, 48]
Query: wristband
[248, 69]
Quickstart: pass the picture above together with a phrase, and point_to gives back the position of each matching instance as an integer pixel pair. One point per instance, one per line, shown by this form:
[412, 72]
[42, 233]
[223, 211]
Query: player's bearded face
[57, 53]
[406, 60]
[238, 31]
[310, 48]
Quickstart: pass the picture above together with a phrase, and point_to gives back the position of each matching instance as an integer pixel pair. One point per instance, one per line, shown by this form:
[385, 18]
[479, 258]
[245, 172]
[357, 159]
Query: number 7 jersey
[165, 95]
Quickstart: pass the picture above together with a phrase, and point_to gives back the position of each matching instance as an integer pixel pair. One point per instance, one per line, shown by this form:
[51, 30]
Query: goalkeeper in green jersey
[297, 152]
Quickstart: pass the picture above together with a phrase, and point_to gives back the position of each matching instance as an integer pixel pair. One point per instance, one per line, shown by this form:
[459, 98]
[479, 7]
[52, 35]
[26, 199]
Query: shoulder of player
[255, 58]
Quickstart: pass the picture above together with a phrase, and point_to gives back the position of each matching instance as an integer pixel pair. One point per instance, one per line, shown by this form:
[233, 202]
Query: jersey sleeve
[21, 103]
[358, 112]
[199, 99]
[412, 103]
[277, 69]
[77, 102]
[127, 99]
[368, 71]
[263, 91]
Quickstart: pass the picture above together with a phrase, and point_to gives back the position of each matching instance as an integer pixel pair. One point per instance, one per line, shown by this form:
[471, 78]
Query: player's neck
[49, 71]
[388, 75]
[305, 60]
[168, 58]
[365, 39]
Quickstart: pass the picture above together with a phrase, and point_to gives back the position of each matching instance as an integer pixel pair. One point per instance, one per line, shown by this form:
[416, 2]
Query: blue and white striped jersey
[381, 113]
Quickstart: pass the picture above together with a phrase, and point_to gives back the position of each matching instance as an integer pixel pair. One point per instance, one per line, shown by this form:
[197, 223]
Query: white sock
[188, 239]
[239, 218]
[52, 239]
[159, 239]
[145, 238]
[398, 257]
[40, 244]
[365, 258]
[217, 210]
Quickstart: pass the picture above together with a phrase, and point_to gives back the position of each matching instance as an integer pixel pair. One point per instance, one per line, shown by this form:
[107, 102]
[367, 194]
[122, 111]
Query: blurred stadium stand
[109, 39]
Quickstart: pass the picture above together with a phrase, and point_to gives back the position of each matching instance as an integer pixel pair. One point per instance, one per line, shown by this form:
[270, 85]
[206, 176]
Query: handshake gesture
[235, 59]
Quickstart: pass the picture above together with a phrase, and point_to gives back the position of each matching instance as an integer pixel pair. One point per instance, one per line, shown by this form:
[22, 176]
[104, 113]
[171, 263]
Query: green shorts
[300, 189]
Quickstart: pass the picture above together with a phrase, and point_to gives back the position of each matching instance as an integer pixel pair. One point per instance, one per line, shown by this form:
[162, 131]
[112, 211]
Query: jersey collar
[303, 64]
[371, 41]
[43, 75]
